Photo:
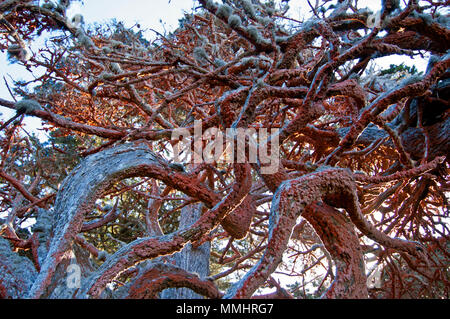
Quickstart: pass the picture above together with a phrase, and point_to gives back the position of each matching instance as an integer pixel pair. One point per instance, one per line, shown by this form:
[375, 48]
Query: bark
[191, 259]
[334, 186]
[17, 273]
[413, 139]
[340, 240]
[151, 247]
[98, 173]
[159, 276]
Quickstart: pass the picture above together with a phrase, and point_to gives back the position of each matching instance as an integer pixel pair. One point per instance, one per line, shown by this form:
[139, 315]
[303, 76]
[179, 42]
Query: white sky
[149, 14]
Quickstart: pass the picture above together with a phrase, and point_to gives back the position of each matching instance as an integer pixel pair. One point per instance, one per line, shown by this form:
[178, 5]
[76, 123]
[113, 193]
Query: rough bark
[17, 273]
[154, 279]
[191, 259]
[340, 240]
[333, 185]
[151, 247]
[96, 174]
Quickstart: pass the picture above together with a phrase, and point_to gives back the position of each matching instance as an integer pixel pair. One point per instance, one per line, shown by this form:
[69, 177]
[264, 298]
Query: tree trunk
[193, 260]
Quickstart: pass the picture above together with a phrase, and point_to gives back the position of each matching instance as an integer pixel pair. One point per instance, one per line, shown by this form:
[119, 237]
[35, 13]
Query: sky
[160, 15]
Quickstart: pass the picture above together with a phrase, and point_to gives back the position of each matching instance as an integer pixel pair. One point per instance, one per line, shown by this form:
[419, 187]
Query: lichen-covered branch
[152, 247]
[95, 175]
[332, 185]
[154, 279]
[340, 239]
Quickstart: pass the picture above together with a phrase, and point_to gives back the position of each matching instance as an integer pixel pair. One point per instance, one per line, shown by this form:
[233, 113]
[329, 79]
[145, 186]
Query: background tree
[357, 208]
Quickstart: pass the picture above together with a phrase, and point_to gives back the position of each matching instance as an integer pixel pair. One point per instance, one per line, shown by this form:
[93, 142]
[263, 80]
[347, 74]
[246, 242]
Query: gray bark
[17, 273]
[77, 196]
[193, 260]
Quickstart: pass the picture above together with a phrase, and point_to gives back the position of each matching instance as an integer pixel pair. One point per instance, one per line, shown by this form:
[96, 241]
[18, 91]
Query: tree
[356, 206]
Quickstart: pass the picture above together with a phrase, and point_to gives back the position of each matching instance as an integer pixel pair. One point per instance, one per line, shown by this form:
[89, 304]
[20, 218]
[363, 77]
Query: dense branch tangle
[364, 159]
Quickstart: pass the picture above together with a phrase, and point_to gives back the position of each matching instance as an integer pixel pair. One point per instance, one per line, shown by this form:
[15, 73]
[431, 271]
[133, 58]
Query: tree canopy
[355, 204]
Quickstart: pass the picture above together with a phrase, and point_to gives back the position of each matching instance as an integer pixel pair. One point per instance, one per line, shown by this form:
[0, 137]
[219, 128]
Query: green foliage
[400, 68]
